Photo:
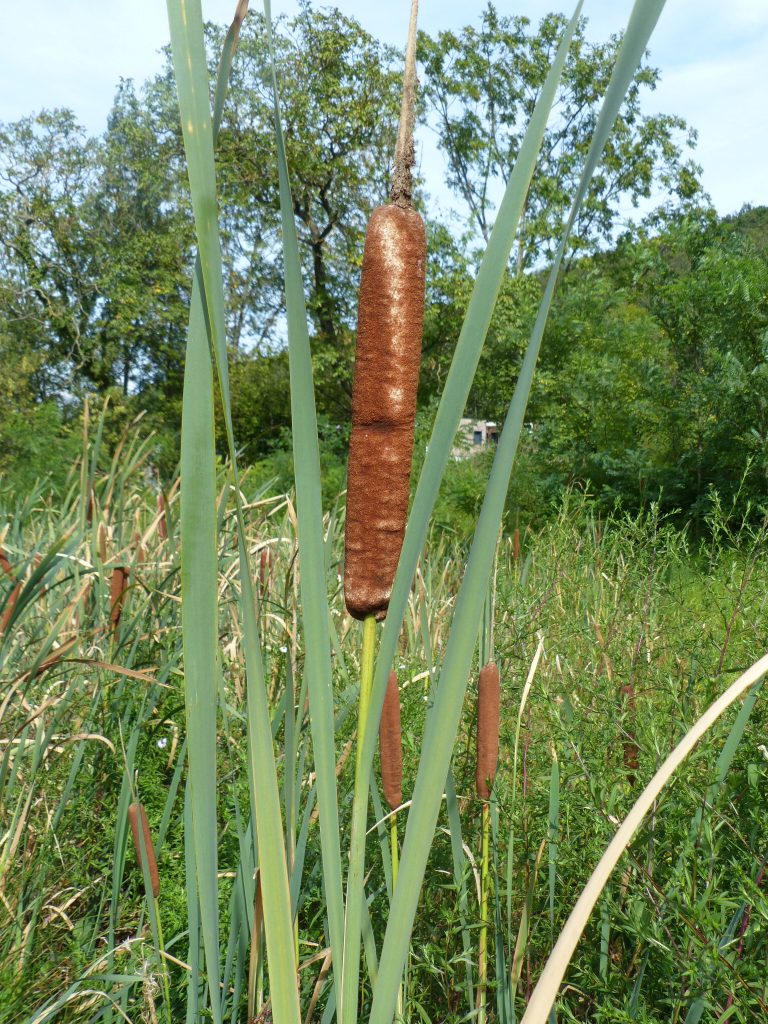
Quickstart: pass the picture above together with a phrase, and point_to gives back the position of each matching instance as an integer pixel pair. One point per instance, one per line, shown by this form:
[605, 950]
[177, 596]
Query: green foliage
[617, 598]
[481, 85]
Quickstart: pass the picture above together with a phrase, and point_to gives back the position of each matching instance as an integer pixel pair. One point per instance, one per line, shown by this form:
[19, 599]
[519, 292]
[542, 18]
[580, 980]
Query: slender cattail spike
[390, 745]
[488, 700]
[162, 525]
[516, 545]
[141, 555]
[117, 588]
[136, 815]
[103, 542]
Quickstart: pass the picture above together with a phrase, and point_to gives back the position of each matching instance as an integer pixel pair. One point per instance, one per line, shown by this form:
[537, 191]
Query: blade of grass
[314, 598]
[185, 18]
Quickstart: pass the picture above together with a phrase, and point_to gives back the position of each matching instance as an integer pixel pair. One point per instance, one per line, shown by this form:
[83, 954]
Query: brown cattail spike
[390, 745]
[102, 534]
[137, 819]
[117, 588]
[488, 701]
[387, 356]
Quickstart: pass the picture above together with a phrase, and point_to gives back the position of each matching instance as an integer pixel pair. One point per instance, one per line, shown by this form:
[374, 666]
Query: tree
[481, 86]
[48, 261]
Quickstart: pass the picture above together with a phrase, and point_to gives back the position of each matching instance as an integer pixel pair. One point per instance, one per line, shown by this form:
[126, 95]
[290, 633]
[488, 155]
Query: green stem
[395, 863]
[163, 964]
[482, 957]
[354, 908]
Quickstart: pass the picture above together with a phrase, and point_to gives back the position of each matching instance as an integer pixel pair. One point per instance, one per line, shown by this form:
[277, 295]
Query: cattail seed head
[137, 819]
[102, 533]
[117, 588]
[488, 701]
[141, 554]
[390, 745]
[387, 356]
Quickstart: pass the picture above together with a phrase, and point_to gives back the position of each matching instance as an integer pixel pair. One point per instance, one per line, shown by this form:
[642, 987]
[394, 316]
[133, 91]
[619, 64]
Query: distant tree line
[652, 379]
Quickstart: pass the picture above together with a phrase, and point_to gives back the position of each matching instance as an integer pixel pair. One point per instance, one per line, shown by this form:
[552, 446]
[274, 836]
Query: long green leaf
[314, 597]
[185, 18]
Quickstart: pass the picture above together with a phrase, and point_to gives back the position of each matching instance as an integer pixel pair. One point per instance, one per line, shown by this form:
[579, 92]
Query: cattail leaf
[199, 565]
[314, 595]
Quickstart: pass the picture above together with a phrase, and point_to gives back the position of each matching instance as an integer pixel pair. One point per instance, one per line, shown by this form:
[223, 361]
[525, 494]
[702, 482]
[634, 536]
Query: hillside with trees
[652, 378]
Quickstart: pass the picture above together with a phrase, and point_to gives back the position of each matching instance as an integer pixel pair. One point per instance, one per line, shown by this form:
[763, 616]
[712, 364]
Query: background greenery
[652, 381]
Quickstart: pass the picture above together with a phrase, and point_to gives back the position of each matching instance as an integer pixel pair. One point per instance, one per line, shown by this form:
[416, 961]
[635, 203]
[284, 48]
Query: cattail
[141, 554]
[117, 588]
[390, 745]
[516, 545]
[162, 523]
[488, 699]
[387, 355]
[102, 533]
[136, 814]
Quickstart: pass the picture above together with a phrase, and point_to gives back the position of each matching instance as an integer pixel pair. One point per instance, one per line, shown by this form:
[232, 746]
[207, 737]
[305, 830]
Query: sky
[713, 58]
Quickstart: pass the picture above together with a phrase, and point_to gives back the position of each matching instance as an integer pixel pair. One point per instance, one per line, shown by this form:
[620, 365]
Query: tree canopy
[653, 368]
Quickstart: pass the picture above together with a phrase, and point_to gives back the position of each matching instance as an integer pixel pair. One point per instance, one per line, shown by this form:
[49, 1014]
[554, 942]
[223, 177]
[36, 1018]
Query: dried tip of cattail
[390, 745]
[162, 525]
[117, 587]
[488, 701]
[136, 814]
